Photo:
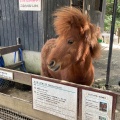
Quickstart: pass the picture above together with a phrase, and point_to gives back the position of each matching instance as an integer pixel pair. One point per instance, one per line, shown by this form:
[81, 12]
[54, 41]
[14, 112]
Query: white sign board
[6, 74]
[56, 99]
[30, 5]
[96, 106]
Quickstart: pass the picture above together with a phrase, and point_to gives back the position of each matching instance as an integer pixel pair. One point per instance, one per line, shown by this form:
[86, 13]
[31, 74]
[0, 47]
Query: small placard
[30, 5]
[96, 106]
[6, 74]
[56, 99]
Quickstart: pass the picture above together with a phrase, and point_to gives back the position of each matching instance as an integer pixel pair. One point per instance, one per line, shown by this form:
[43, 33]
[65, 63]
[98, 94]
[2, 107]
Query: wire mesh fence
[9, 114]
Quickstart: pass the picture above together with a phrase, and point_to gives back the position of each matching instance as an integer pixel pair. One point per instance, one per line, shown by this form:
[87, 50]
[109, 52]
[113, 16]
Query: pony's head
[77, 38]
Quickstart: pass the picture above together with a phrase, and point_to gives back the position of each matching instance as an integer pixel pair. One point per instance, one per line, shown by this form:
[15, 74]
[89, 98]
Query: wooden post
[118, 33]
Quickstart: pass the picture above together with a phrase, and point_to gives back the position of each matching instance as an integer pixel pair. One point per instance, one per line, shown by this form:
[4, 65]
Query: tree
[108, 16]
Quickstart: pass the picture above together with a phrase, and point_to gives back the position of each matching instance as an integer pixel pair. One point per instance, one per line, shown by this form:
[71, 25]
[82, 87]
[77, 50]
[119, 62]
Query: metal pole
[111, 43]
[18, 41]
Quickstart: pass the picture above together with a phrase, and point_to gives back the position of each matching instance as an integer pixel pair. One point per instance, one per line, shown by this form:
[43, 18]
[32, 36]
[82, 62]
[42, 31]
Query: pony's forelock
[67, 18]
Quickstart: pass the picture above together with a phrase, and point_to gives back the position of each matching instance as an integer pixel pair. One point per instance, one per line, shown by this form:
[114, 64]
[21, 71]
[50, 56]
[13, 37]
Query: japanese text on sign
[6, 74]
[96, 106]
[57, 99]
[30, 5]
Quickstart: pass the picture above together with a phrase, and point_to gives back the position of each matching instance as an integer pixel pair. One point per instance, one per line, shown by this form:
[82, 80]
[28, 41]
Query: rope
[3, 83]
[18, 85]
[2, 64]
[21, 59]
[14, 57]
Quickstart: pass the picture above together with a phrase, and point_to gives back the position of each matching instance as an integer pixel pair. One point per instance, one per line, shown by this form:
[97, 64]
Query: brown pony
[69, 57]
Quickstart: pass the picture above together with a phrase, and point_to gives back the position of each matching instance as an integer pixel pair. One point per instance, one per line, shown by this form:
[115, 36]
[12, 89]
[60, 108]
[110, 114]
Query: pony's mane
[67, 18]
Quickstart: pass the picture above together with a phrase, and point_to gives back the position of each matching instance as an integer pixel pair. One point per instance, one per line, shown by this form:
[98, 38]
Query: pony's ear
[93, 41]
[95, 51]
[90, 33]
[84, 29]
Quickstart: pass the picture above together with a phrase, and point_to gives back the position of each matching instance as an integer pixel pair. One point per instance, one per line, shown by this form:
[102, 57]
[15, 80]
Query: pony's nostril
[52, 63]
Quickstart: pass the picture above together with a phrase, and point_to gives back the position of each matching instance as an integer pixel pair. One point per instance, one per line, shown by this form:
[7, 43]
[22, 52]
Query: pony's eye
[70, 42]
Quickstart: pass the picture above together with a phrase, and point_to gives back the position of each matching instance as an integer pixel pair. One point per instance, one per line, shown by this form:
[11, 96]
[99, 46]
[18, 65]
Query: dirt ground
[101, 65]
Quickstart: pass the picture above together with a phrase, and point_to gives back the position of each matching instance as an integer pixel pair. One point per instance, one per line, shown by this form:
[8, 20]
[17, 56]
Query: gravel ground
[101, 65]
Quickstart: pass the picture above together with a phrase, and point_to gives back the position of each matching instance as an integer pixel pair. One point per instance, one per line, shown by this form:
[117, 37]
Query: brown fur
[74, 60]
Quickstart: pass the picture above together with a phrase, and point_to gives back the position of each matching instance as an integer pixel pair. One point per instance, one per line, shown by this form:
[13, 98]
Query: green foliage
[107, 22]
[108, 16]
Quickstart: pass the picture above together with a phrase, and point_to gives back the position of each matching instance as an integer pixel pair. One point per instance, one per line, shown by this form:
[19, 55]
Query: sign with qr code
[96, 106]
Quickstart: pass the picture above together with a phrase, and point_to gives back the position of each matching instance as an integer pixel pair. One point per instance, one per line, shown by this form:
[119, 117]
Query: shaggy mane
[67, 18]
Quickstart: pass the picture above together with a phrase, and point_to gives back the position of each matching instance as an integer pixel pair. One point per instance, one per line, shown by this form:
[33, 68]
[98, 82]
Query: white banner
[30, 5]
[56, 99]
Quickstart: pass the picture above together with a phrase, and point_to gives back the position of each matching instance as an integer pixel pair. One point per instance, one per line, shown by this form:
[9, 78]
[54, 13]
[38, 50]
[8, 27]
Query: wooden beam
[24, 107]
[18, 76]
[15, 65]
[9, 49]
[25, 78]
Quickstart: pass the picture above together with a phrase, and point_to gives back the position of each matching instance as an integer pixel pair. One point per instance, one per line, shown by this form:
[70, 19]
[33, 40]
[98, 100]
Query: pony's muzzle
[53, 66]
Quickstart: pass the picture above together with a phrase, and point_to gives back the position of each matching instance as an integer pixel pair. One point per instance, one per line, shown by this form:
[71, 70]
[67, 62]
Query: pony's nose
[52, 63]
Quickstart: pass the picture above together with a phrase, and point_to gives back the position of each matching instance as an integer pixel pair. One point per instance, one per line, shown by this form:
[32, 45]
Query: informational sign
[96, 106]
[6, 74]
[30, 5]
[56, 99]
